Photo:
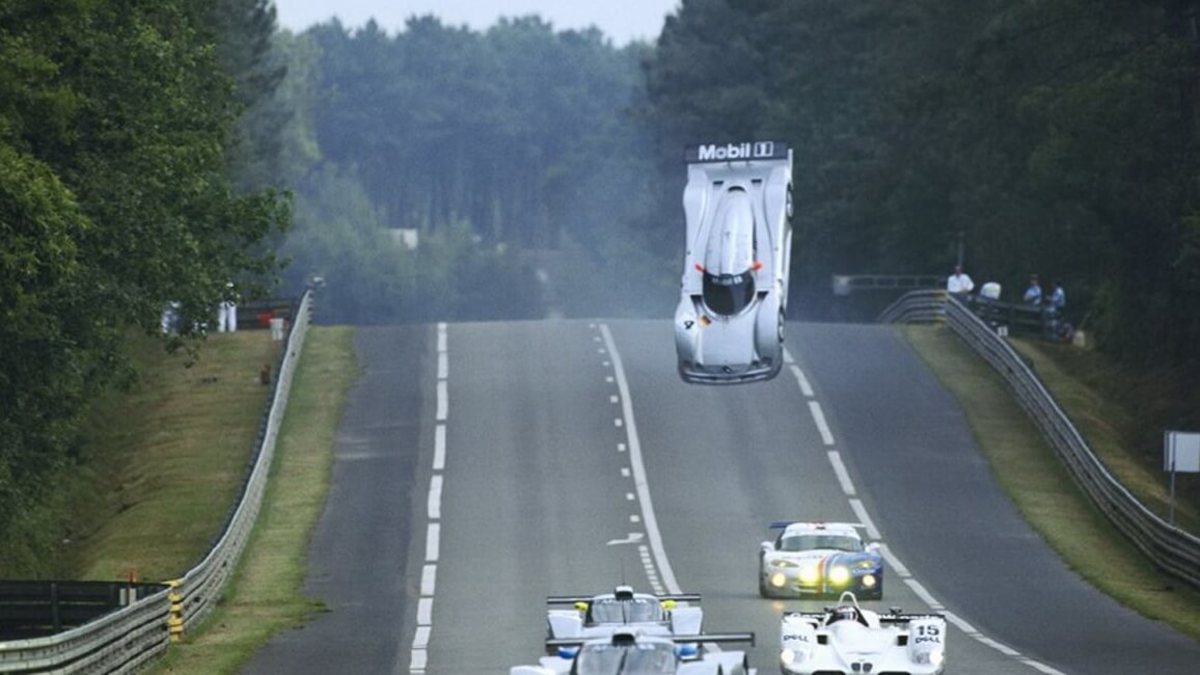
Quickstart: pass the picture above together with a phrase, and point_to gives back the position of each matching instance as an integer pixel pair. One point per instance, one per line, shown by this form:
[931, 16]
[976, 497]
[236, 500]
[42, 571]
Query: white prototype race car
[848, 639]
[733, 295]
[602, 615]
[627, 652]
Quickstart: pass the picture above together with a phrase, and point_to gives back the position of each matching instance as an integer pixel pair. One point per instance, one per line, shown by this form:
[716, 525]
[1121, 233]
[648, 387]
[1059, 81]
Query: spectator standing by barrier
[1054, 321]
[959, 283]
[227, 314]
[1033, 294]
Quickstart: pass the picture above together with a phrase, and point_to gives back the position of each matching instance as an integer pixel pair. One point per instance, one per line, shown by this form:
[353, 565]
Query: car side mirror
[873, 547]
[767, 546]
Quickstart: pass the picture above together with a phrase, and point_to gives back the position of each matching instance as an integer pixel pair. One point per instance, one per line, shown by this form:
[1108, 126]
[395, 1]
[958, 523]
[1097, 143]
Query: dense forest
[153, 151]
[1054, 137]
[118, 153]
[511, 154]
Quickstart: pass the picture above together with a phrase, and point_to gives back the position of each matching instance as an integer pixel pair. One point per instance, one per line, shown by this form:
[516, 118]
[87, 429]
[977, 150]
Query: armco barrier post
[175, 616]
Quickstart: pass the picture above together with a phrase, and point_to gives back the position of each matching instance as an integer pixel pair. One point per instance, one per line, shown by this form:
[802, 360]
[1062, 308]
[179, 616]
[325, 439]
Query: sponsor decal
[730, 152]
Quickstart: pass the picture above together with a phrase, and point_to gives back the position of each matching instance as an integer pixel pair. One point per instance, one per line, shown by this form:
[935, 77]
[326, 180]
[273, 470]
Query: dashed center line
[822, 425]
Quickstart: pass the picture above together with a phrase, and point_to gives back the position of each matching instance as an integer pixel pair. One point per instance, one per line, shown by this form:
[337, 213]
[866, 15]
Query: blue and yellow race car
[819, 559]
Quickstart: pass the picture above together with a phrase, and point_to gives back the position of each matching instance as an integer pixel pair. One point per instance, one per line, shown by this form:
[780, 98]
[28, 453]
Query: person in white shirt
[959, 283]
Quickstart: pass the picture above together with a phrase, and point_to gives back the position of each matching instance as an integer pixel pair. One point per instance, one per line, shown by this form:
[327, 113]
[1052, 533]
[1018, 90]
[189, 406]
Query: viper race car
[848, 639]
[602, 615]
[628, 652]
[819, 559]
[733, 295]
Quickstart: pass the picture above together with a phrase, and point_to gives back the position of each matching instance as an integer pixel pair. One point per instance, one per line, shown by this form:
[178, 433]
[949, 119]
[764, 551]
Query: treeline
[511, 152]
[119, 135]
[1054, 137]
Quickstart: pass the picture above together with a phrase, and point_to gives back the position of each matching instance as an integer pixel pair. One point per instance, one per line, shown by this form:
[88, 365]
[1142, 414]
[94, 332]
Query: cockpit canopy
[626, 610]
[640, 658]
[730, 254]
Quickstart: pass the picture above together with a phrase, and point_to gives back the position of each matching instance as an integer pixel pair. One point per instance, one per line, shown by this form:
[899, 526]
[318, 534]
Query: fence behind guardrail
[1173, 550]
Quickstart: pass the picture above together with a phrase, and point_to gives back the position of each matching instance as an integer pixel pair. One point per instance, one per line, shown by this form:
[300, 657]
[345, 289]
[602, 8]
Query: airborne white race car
[734, 290]
[630, 653]
[848, 639]
[602, 615]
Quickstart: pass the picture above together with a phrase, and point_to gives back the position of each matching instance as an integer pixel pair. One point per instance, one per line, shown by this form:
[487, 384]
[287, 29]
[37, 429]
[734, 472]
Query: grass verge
[1042, 489]
[265, 595]
[166, 458]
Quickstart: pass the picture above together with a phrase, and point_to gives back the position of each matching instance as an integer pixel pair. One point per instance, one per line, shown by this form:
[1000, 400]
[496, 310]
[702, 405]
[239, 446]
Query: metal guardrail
[126, 640]
[1171, 549]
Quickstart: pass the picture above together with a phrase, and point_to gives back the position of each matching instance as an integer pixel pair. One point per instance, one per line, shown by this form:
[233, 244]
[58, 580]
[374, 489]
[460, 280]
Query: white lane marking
[635, 518]
[843, 476]
[618, 422]
[439, 447]
[894, 562]
[443, 366]
[428, 579]
[432, 542]
[419, 659]
[425, 611]
[1040, 666]
[597, 338]
[822, 426]
[625, 471]
[629, 496]
[443, 402]
[435, 498]
[608, 378]
[787, 357]
[608, 364]
[614, 399]
[962, 625]
[925, 595]
[621, 447]
[421, 639]
[805, 387]
[1002, 648]
[639, 469]
[600, 350]
[441, 340]
[861, 512]
[633, 538]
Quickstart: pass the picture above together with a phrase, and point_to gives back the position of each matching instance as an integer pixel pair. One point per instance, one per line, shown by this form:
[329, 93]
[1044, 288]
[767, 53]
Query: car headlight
[865, 565]
[869, 580]
[933, 657]
[787, 657]
[810, 574]
[783, 562]
[839, 576]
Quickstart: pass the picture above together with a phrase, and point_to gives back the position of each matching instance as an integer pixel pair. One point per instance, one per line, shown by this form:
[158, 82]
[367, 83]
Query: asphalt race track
[482, 467]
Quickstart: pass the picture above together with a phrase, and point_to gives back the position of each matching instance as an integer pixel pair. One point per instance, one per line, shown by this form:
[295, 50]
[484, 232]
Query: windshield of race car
[636, 659]
[635, 610]
[808, 542]
[728, 294]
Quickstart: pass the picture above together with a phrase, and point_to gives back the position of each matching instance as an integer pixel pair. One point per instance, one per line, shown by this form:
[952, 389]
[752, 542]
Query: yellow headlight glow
[778, 579]
[868, 580]
[810, 574]
[839, 576]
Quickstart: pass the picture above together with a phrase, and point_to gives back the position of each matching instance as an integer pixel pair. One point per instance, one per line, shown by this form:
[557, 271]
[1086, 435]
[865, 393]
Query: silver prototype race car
[733, 296]
[602, 615]
[628, 652]
[849, 639]
[814, 558]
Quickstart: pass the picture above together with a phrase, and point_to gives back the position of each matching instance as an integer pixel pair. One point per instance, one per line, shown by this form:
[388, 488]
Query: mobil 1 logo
[734, 152]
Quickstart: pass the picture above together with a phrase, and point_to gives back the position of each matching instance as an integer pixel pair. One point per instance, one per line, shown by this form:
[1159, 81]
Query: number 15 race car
[848, 639]
[733, 295]
[819, 559]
